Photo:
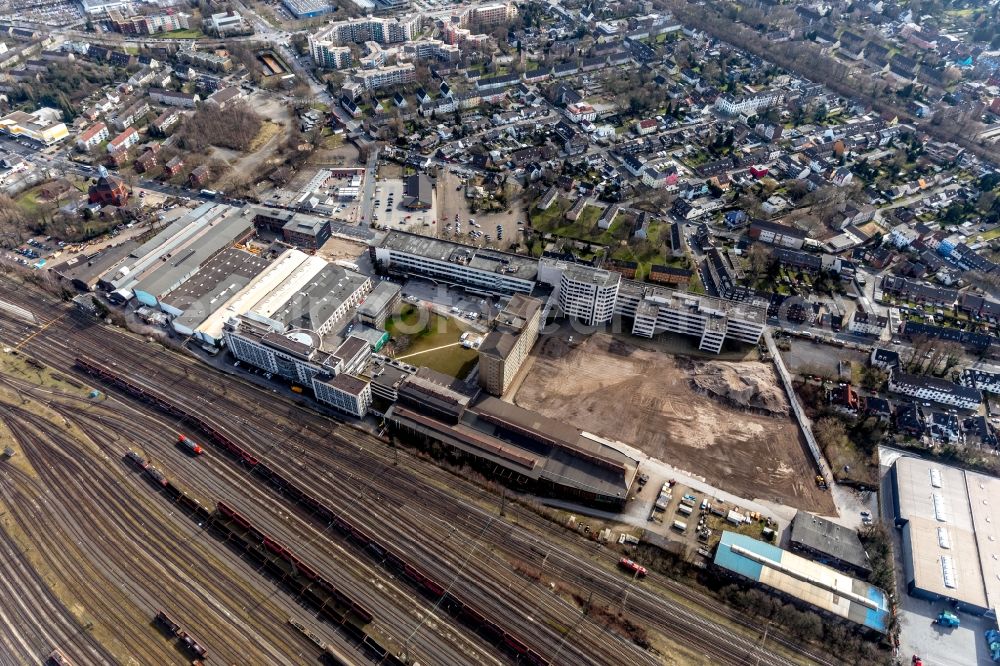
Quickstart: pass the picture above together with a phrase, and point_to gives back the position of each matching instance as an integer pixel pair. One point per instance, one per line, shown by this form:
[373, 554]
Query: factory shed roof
[951, 541]
[88, 269]
[829, 538]
[815, 584]
[317, 301]
[211, 287]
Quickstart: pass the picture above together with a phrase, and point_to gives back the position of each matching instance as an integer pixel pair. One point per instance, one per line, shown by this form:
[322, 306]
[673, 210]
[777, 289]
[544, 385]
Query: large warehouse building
[532, 450]
[176, 253]
[809, 583]
[948, 520]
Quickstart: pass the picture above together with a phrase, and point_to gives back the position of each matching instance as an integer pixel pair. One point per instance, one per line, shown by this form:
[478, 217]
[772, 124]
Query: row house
[934, 389]
[981, 380]
[174, 98]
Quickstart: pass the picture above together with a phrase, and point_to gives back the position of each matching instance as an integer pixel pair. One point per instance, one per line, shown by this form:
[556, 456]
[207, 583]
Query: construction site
[271, 534]
[727, 421]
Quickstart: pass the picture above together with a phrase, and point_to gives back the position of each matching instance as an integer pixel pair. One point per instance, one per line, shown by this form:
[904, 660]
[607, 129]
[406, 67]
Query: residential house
[173, 166]
[781, 235]
[92, 136]
[934, 389]
[884, 359]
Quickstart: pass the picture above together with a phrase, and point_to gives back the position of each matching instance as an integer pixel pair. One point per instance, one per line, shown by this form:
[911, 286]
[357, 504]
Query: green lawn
[430, 340]
[991, 234]
[184, 34]
[28, 202]
[553, 221]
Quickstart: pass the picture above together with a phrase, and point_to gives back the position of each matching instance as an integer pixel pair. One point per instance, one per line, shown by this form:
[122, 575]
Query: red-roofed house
[92, 136]
[647, 126]
[123, 141]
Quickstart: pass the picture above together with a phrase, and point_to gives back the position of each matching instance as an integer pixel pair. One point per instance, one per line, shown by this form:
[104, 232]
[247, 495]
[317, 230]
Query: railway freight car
[189, 446]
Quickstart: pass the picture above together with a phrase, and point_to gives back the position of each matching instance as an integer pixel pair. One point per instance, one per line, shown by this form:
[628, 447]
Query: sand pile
[742, 385]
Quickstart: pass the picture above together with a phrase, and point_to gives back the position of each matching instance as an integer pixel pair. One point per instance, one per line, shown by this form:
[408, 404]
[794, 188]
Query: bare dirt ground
[341, 248]
[644, 398]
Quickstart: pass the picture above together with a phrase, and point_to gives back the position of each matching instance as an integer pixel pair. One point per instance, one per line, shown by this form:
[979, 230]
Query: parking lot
[388, 209]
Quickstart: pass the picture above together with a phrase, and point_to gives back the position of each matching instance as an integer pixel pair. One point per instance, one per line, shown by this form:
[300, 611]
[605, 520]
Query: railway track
[209, 475]
[370, 465]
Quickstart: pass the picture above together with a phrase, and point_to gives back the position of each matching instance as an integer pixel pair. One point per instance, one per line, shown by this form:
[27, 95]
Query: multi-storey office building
[656, 310]
[507, 346]
[478, 270]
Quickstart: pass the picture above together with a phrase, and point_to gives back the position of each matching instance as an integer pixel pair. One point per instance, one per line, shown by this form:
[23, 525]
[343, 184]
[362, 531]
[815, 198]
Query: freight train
[456, 606]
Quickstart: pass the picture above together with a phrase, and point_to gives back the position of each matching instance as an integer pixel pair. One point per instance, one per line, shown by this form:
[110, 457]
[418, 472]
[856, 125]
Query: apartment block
[385, 77]
[934, 389]
[92, 136]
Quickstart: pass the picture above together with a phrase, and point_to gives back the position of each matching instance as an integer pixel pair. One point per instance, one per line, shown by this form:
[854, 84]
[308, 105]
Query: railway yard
[292, 539]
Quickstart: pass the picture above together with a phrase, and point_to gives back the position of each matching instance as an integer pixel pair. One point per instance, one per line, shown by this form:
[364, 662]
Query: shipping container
[680, 526]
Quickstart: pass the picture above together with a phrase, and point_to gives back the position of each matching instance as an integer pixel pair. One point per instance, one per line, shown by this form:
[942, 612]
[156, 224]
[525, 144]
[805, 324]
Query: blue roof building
[824, 589]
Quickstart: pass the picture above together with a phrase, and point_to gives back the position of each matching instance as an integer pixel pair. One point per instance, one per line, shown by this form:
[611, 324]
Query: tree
[760, 259]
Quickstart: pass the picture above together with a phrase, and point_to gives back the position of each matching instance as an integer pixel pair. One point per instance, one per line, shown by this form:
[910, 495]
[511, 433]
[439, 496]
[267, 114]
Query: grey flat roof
[525, 268]
[380, 297]
[948, 516]
[579, 463]
[828, 537]
[316, 302]
[88, 268]
[509, 324]
[751, 311]
[210, 288]
[182, 218]
[351, 347]
[305, 224]
[172, 273]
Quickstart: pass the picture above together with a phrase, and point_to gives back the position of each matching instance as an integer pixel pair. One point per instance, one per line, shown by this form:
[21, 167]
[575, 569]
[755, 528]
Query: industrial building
[817, 586]
[176, 253]
[592, 295]
[43, 125]
[507, 345]
[218, 228]
[530, 450]
[210, 331]
[218, 279]
[347, 393]
[379, 304]
[84, 271]
[713, 321]
[829, 543]
[302, 9]
[296, 229]
[949, 533]
[479, 271]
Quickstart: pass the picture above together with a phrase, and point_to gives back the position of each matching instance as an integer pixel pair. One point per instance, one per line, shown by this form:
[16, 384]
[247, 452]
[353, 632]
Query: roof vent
[935, 477]
[939, 509]
[948, 572]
